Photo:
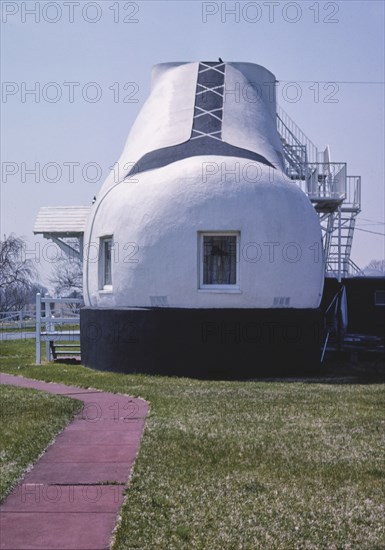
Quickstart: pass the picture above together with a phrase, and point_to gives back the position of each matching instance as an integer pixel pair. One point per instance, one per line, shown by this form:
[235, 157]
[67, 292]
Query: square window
[219, 265]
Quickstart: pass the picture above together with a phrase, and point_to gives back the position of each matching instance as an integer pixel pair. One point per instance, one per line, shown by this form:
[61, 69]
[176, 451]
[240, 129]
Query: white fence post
[47, 315]
[38, 328]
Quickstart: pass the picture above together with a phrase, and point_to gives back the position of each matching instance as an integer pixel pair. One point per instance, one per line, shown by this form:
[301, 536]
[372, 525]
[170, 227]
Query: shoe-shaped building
[201, 257]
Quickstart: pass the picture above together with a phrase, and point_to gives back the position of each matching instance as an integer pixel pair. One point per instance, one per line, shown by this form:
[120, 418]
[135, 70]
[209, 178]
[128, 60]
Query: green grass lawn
[11, 329]
[29, 421]
[31, 327]
[245, 465]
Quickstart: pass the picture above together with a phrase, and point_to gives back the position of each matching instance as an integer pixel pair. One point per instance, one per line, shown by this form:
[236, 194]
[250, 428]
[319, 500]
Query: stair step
[66, 346]
[67, 352]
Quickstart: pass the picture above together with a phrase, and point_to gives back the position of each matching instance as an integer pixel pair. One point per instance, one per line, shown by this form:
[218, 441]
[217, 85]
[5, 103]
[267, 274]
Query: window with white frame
[105, 270]
[219, 262]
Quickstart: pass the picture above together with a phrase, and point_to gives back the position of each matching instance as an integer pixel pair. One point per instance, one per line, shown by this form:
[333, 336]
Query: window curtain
[219, 260]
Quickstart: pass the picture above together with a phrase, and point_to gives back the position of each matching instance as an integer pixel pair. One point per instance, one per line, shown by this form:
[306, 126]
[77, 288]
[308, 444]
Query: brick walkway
[71, 498]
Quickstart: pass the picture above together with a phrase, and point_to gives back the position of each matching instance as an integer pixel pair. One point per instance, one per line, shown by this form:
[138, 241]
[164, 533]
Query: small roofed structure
[63, 222]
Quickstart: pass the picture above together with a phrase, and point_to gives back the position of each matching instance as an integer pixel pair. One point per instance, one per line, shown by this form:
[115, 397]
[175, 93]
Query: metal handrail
[322, 179]
[353, 192]
[285, 122]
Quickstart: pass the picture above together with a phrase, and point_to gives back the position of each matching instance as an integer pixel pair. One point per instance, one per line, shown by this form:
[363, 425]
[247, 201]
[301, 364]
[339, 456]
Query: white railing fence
[58, 312]
[19, 319]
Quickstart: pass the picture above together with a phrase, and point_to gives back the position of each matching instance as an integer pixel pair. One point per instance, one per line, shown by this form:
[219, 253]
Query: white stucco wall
[166, 117]
[162, 211]
[249, 111]
[155, 216]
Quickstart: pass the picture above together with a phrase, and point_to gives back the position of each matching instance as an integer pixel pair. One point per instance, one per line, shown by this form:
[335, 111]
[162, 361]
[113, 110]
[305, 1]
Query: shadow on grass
[341, 368]
[67, 361]
[337, 368]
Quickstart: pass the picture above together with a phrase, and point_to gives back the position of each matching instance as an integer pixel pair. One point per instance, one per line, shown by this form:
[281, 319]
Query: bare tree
[67, 274]
[376, 265]
[16, 274]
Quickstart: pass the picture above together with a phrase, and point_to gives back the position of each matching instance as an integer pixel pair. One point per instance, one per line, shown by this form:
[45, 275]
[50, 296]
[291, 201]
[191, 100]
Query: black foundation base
[202, 343]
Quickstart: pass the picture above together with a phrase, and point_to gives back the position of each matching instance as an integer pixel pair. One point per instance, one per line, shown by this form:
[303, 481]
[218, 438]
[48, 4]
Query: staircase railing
[335, 195]
[353, 193]
[293, 135]
[354, 270]
[321, 180]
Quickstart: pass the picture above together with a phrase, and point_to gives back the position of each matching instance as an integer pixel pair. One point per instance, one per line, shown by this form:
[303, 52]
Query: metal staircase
[335, 196]
[340, 243]
[292, 137]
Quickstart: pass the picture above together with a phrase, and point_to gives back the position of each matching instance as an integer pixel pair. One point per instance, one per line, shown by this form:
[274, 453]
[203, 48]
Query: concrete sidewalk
[71, 498]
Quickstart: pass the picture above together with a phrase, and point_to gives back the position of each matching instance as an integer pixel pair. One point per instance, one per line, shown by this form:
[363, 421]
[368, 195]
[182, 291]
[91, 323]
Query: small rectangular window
[379, 298]
[219, 265]
[105, 263]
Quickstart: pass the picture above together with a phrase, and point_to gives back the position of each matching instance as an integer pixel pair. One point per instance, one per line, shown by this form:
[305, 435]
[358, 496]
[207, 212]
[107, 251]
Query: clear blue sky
[114, 43]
